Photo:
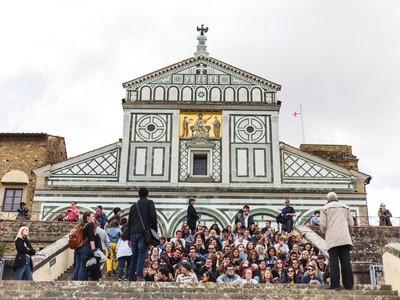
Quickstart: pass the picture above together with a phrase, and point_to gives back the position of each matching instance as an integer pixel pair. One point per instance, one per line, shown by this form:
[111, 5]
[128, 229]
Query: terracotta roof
[26, 135]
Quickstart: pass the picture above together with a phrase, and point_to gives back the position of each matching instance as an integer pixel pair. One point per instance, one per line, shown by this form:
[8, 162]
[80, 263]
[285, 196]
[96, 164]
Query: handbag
[151, 236]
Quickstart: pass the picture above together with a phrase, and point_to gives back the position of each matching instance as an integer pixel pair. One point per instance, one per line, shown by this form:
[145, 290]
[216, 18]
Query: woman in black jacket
[23, 262]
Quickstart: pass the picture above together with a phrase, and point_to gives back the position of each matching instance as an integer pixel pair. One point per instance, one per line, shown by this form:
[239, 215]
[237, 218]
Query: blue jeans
[122, 261]
[23, 273]
[139, 251]
[80, 262]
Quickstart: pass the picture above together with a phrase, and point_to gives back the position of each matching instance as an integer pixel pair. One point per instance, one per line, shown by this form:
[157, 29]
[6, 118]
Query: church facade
[205, 129]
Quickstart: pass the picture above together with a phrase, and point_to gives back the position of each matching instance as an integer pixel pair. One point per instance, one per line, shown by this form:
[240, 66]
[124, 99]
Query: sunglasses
[290, 271]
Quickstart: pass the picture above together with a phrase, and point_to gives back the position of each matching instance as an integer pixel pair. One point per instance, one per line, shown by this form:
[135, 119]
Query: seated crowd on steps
[238, 255]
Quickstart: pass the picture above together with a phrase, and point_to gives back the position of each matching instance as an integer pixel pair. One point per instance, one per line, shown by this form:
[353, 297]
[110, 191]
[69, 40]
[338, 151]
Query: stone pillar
[276, 156]
[225, 157]
[174, 167]
[125, 147]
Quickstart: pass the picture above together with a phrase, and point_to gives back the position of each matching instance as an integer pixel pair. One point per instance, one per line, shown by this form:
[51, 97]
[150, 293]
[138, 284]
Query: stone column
[125, 147]
[276, 156]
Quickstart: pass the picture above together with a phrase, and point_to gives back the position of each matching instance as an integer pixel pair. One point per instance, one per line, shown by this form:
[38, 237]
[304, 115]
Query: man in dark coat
[136, 232]
[243, 216]
[192, 217]
[288, 213]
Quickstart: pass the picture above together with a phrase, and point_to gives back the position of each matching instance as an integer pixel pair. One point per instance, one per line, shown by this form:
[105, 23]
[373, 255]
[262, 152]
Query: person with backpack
[83, 240]
[142, 218]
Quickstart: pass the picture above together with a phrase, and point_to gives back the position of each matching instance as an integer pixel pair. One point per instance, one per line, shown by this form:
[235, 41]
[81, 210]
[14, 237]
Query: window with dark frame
[200, 164]
[12, 199]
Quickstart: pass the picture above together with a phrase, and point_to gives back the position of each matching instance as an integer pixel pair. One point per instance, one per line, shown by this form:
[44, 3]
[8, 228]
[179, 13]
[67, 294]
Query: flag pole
[302, 124]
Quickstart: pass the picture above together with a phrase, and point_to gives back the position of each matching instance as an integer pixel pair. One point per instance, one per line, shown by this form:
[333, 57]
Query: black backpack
[279, 218]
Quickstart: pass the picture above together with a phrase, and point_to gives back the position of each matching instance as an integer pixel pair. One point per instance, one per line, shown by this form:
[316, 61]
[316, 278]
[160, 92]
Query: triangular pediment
[202, 70]
[198, 79]
[297, 165]
[99, 163]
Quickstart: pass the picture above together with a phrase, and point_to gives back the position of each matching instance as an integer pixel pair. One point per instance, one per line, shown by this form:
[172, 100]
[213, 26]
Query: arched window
[229, 95]
[215, 94]
[256, 95]
[145, 93]
[186, 94]
[13, 190]
[173, 93]
[243, 95]
[159, 93]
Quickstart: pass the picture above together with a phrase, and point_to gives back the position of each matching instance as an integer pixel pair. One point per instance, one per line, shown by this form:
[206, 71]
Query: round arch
[304, 217]
[161, 220]
[178, 217]
[263, 211]
[15, 176]
[52, 214]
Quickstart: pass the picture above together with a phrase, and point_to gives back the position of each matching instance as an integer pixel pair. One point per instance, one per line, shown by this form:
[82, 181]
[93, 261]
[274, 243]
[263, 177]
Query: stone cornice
[215, 62]
[182, 105]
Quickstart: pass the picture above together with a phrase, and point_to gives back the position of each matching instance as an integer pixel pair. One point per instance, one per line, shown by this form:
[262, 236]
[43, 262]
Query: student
[23, 261]
[91, 244]
[23, 212]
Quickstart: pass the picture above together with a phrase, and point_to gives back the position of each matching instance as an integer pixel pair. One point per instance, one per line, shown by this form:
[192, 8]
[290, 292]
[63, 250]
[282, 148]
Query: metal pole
[302, 125]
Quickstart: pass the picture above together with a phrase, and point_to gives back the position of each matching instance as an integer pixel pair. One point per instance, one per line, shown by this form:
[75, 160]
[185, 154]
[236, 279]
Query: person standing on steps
[335, 221]
[23, 261]
[135, 229]
[384, 216]
[192, 217]
[92, 242]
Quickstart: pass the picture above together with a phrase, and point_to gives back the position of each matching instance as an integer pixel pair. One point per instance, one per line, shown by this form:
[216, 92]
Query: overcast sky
[62, 64]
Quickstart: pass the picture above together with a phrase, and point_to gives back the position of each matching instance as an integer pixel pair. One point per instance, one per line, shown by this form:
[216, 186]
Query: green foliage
[2, 249]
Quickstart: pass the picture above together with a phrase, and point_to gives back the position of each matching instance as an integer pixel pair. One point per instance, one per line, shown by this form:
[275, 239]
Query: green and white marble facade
[248, 164]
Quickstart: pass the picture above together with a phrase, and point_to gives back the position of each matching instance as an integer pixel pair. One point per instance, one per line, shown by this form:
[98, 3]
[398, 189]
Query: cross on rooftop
[202, 29]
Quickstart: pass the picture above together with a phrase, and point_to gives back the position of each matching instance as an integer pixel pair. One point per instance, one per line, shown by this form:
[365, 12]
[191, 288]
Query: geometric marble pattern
[295, 166]
[215, 161]
[249, 129]
[104, 164]
[151, 128]
[184, 161]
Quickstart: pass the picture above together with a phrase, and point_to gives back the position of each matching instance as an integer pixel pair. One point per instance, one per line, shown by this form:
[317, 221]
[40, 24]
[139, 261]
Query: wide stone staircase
[60, 290]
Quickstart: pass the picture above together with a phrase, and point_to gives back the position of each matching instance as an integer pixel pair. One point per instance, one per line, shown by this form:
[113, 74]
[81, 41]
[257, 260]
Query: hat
[186, 265]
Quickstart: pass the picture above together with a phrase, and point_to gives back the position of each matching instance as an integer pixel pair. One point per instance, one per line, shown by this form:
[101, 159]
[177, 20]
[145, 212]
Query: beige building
[20, 153]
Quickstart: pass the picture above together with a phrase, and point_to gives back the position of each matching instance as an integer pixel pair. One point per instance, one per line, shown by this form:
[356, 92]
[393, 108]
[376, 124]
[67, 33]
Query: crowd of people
[243, 253]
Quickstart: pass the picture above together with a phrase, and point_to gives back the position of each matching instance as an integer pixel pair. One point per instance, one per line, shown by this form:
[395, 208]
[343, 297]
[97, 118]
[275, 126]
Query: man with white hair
[334, 223]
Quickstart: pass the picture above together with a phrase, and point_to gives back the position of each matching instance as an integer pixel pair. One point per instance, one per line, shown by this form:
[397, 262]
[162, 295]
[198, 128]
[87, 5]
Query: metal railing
[33, 216]
[358, 220]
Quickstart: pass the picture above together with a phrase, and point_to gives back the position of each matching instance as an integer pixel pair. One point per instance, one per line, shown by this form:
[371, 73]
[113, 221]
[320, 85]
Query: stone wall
[369, 243]
[26, 152]
[339, 154]
[41, 234]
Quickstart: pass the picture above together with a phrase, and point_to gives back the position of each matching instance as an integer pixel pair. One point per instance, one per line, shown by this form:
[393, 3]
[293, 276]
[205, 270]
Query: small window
[12, 199]
[200, 164]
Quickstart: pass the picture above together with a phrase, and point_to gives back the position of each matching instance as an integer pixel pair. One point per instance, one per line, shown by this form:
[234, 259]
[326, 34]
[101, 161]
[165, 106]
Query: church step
[260, 296]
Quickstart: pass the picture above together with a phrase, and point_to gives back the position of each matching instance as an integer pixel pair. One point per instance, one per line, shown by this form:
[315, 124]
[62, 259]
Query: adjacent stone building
[202, 128]
[20, 153]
